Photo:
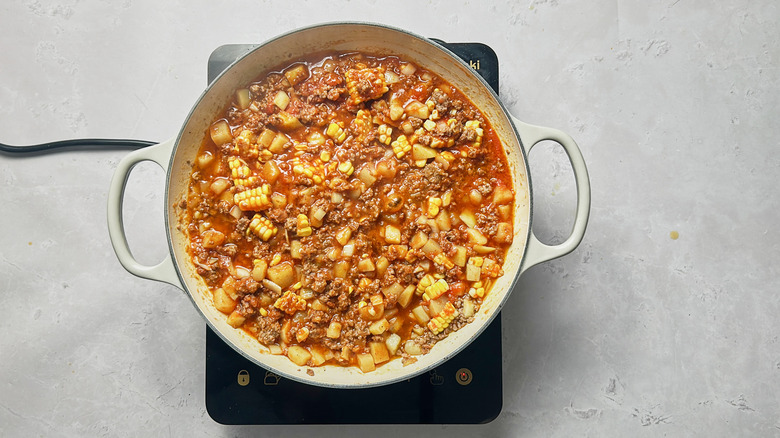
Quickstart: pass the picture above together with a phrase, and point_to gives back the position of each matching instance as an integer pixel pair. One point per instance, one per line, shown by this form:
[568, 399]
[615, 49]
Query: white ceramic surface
[673, 103]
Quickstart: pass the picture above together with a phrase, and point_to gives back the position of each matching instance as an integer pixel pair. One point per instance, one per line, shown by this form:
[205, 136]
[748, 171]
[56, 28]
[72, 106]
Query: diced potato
[379, 327]
[316, 215]
[279, 200]
[393, 291]
[212, 238]
[366, 265]
[220, 133]
[266, 138]
[431, 248]
[288, 122]
[502, 195]
[406, 296]
[396, 111]
[460, 256]
[505, 211]
[468, 308]
[437, 305]
[271, 171]
[418, 240]
[392, 234]
[229, 286]
[204, 160]
[296, 74]
[341, 269]
[343, 235]
[391, 77]
[223, 302]
[468, 218]
[299, 355]
[420, 314]
[236, 319]
[504, 232]
[408, 69]
[278, 143]
[378, 352]
[371, 312]
[366, 175]
[334, 330]
[281, 100]
[219, 185]
[366, 362]
[320, 355]
[420, 152]
[396, 324]
[275, 349]
[242, 98]
[318, 305]
[475, 236]
[381, 266]
[473, 272]
[412, 348]
[282, 274]
[284, 334]
[295, 249]
[417, 109]
[482, 249]
[443, 221]
[475, 197]
[393, 342]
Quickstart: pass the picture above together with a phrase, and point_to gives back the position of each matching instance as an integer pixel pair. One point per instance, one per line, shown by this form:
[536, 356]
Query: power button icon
[463, 376]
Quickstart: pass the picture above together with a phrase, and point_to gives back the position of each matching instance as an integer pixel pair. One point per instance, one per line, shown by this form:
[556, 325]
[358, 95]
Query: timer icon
[463, 376]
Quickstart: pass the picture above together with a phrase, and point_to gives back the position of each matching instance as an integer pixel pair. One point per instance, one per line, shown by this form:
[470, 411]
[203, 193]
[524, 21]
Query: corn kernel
[263, 312]
[441, 259]
[254, 199]
[401, 146]
[385, 134]
[443, 319]
[336, 132]
[424, 283]
[324, 156]
[238, 169]
[477, 290]
[276, 260]
[262, 227]
[473, 125]
[303, 226]
[435, 290]
[346, 168]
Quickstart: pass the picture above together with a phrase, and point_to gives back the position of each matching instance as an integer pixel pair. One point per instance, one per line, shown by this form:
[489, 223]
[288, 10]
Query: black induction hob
[466, 389]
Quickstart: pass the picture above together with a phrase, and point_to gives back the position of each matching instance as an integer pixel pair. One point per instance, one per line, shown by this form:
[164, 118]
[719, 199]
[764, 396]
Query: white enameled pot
[175, 156]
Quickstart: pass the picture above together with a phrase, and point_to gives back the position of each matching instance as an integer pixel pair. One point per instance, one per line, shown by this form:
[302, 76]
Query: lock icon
[243, 377]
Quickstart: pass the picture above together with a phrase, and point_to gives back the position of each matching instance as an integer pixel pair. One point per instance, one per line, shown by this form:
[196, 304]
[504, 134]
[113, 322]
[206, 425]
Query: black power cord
[77, 144]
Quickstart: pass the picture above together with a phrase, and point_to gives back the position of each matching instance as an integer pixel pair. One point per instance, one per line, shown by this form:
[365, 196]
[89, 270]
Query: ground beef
[268, 330]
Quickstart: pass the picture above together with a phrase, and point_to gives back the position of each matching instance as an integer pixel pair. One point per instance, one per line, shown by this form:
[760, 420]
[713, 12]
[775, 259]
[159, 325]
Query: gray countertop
[665, 320]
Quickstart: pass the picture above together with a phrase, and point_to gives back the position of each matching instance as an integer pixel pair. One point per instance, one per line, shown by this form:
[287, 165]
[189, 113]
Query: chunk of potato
[223, 302]
[299, 355]
[365, 362]
[406, 296]
[220, 132]
[378, 352]
[282, 274]
[236, 319]
[212, 238]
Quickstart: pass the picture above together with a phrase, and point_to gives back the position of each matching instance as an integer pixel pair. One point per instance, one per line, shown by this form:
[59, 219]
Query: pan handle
[538, 252]
[165, 270]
